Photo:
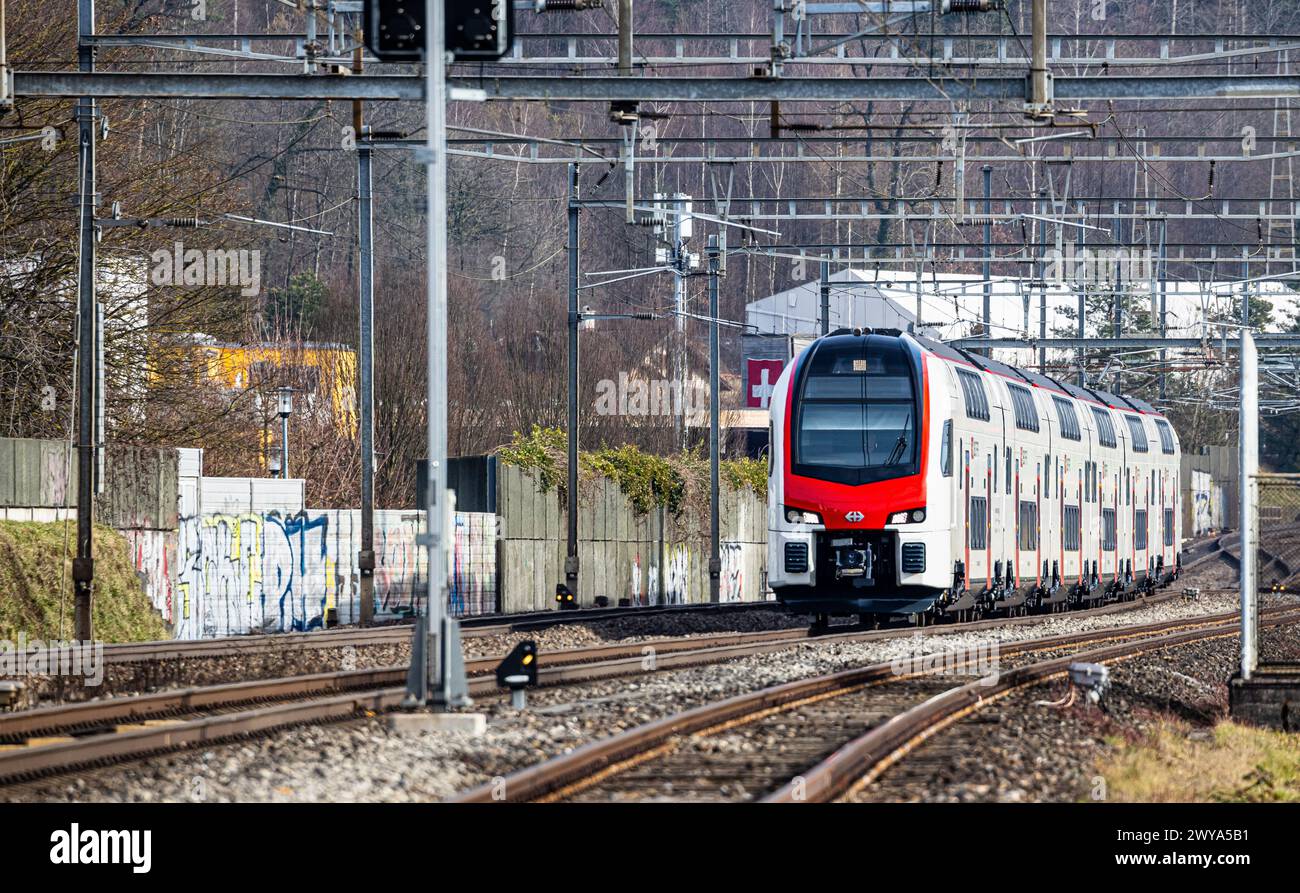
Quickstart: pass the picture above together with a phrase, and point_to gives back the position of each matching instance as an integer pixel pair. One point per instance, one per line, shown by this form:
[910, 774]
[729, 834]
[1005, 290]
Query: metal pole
[571, 561]
[1245, 288]
[1081, 283]
[1164, 303]
[1118, 298]
[101, 390]
[437, 500]
[825, 296]
[366, 383]
[83, 566]
[284, 446]
[4, 62]
[625, 37]
[679, 261]
[988, 249]
[1249, 461]
[715, 547]
[1042, 281]
[1038, 79]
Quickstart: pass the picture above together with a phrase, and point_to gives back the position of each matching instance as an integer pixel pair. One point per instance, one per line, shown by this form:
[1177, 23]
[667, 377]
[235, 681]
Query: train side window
[1068, 418]
[972, 389]
[1140, 530]
[1169, 527]
[1108, 530]
[1166, 437]
[1105, 427]
[1128, 488]
[1022, 402]
[945, 451]
[1139, 433]
[1008, 469]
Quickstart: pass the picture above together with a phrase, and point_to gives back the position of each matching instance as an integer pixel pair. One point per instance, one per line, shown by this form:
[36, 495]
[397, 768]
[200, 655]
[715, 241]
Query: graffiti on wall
[153, 554]
[731, 584]
[679, 574]
[1206, 503]
[270, 572]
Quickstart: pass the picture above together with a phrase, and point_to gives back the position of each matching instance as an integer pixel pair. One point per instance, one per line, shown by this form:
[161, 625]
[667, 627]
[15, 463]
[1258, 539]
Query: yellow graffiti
[253, 560]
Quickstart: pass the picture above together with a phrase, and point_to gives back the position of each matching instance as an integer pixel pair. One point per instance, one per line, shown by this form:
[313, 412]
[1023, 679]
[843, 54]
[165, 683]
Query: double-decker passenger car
[910, 477]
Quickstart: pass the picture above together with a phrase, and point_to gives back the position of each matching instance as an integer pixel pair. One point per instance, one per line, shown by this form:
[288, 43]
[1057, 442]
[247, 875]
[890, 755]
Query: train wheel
[821, 623]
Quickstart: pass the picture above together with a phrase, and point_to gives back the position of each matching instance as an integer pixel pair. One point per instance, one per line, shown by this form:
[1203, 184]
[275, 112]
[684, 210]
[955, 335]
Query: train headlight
[799, 516]
[911, 516]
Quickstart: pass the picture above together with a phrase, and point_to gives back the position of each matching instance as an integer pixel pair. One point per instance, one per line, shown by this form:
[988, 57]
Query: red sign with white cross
[761, 377]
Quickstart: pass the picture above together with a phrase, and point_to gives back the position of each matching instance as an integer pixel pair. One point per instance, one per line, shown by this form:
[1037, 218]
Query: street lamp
[284, 402]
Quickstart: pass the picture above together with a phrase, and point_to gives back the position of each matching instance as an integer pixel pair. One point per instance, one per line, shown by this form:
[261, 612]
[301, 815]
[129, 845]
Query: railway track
[396, 633]
[475, 627]
[814, 739]
[66, 736]
[471, 627]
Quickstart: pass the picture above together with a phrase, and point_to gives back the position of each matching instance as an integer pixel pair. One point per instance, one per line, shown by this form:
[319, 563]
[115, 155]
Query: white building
[948, 306]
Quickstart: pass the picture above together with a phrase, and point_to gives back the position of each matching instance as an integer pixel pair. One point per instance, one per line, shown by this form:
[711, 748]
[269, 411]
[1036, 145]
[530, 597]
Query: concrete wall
[38, 482]
[225, 556]
[649, 559]
[1208, 482]
[254, 559]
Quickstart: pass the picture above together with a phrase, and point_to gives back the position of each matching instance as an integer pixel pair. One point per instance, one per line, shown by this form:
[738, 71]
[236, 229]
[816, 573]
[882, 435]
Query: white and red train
[908, 477]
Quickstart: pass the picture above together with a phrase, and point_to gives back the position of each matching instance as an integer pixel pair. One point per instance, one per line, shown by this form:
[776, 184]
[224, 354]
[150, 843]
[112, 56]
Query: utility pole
[625, 38]
[988, 251]
[365, 351]
[1081, 284]
[1040, 79]
[715, 546]
[1249, 462]
[571, 561]
[680, 262]
[1042, 278]
[83, 565]
[365, 371]
[825, 285]
[437, 666]
[1164, 304]
[1245, 289]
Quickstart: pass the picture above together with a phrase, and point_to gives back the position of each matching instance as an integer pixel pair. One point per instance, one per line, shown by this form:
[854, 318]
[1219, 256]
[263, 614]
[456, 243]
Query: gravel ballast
[363, 760]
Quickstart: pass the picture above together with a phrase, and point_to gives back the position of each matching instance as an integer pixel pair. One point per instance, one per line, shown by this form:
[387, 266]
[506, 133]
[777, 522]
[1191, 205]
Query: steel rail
[397, 633]
[598, 759]
[561, 667]
[864, 759]
[146, 724]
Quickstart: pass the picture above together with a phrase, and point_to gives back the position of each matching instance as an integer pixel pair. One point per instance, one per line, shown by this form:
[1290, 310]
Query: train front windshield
[856, 417]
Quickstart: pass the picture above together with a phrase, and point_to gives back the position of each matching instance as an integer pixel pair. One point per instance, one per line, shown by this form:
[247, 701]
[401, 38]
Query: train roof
[1035, 379]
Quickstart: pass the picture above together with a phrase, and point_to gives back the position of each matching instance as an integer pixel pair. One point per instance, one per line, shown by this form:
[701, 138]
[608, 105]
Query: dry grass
[33, 564]
[1233, 763]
